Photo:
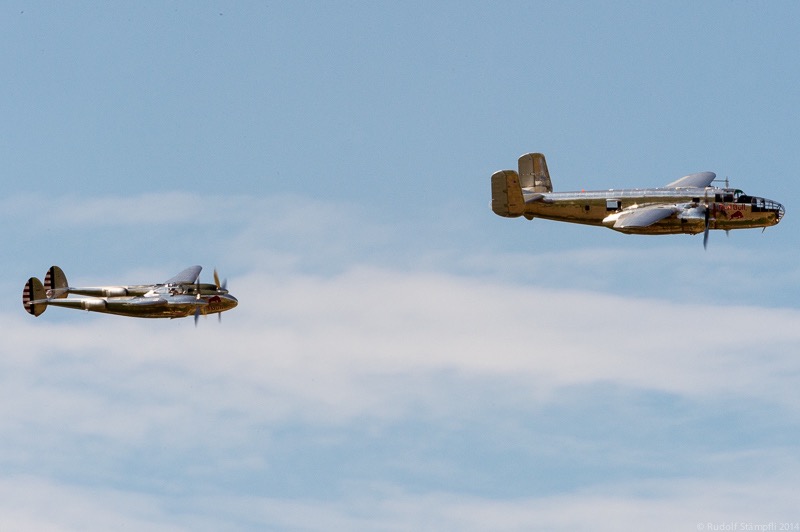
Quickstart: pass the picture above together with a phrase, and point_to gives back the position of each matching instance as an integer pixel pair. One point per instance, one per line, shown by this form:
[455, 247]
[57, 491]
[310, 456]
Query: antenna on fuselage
[727, 183]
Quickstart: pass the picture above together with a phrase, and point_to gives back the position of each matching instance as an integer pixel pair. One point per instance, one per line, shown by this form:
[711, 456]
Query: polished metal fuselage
[160, 301]
[728, 208]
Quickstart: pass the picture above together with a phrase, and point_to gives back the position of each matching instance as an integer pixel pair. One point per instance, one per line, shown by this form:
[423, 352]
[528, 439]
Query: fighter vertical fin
[55, 283]
[33, 297]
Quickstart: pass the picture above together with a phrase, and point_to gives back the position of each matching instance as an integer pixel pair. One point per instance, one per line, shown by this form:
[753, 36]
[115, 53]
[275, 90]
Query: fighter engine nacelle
[93, 304]
[115, 291]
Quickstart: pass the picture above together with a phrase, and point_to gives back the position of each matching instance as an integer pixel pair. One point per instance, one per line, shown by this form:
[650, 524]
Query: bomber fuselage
[729, 208]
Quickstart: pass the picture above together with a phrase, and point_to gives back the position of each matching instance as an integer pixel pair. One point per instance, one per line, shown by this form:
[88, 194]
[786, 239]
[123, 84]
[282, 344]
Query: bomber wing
[187, 276]
[644, 216]
[701, 180]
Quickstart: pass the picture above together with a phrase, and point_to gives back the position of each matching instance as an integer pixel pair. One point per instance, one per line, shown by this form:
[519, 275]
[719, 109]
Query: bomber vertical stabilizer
[507, 197]
[533, 173]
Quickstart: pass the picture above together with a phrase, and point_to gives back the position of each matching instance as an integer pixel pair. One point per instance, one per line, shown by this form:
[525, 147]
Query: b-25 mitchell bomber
[178, 297]
[689, 205]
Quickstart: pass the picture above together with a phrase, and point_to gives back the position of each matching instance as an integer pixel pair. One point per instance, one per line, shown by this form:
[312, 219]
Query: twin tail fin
[55, 283]
[507, 185]
[35, 295]
[34, 298]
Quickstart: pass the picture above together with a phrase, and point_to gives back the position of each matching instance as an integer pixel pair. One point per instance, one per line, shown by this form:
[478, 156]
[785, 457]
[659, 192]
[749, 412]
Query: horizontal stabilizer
[701, 180]
[533, 198]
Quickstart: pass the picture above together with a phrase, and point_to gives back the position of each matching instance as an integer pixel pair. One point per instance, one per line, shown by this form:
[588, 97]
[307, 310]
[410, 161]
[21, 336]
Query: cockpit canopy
[757, 203]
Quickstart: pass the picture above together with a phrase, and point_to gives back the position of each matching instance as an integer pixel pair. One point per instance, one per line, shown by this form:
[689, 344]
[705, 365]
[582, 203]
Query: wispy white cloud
[34, 504]
[315, 365]
[436, 379]
[323, 339]
[283, 213]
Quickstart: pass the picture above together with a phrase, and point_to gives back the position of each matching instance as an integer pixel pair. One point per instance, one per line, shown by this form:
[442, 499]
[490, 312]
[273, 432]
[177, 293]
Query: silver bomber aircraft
[689, 205]
[178, 297]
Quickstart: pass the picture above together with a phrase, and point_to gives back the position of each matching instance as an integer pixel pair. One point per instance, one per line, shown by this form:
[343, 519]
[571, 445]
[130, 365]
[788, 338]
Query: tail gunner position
[689, 205]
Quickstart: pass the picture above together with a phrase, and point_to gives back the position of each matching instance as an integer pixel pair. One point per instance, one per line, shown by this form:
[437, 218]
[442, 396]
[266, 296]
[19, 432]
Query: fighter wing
[701, 180]
[187, 276]
[644, 216]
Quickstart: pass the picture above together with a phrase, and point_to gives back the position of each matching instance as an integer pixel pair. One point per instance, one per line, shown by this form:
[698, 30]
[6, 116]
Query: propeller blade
[196, 315]
[705, 232]
[221, 287]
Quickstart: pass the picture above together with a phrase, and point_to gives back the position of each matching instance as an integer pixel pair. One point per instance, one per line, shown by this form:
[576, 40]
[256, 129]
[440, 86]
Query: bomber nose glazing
[775, 207]
[779, 213]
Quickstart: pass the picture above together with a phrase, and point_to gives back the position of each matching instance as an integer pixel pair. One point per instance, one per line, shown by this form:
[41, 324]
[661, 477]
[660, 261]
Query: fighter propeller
[219, 288]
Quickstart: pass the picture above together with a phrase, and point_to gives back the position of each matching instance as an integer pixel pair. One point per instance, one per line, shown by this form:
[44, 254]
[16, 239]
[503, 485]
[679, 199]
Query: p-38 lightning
[178, 297]
[689, 205]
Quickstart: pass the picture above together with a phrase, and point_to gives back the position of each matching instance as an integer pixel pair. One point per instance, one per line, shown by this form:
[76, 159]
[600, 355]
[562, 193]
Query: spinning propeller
[220, 289]
[707, 218]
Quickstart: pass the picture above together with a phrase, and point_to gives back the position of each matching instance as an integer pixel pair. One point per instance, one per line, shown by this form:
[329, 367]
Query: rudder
[33, 297]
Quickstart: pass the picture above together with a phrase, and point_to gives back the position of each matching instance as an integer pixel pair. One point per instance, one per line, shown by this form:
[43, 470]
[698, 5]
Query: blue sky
[401, 357]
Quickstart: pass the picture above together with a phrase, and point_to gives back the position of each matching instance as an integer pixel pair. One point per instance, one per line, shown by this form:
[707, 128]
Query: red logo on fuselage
[215, 304]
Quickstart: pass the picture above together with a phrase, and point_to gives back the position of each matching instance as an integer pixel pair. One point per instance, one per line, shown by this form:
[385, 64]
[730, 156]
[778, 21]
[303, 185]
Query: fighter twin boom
[178, 297]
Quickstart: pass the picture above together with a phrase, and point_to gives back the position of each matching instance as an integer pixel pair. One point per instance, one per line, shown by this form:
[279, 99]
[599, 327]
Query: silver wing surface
[645, 216]
[187, 276]
[700, 180]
